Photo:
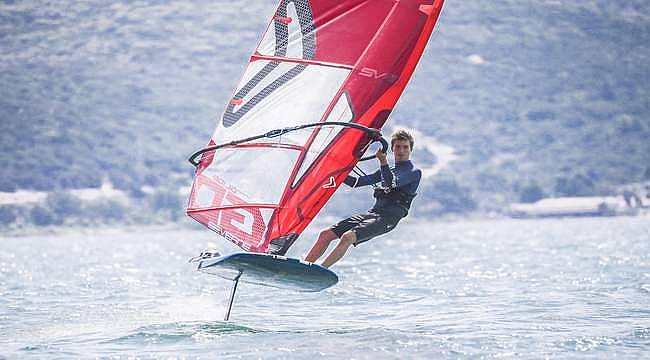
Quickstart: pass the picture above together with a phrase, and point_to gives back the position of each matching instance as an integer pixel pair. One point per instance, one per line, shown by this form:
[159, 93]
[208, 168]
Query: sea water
[521, 289]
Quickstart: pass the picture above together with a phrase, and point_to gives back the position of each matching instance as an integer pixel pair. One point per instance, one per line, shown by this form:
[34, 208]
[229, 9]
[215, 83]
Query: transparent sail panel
[252, 175]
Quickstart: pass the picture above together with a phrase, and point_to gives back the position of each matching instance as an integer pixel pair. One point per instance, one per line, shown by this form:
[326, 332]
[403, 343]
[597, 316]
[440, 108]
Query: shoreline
[103, 229]
[116, 228]
[325, 221]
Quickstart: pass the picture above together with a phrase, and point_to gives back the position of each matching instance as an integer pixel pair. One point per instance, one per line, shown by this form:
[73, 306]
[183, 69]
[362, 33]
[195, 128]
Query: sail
[319, 61]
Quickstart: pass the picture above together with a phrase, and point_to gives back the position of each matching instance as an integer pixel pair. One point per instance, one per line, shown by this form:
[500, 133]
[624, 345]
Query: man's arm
[373, 178]
[379, 175]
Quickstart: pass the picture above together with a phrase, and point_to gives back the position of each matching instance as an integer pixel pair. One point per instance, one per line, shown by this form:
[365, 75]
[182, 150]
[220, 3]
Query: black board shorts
[365, 226]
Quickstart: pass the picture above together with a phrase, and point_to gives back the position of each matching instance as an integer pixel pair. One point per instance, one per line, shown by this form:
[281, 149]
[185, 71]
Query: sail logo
[374, 74]
[226, 212]
[331, 184]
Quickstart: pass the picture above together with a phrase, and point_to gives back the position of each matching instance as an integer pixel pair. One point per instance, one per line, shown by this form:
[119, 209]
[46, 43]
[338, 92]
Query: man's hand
[381, 156]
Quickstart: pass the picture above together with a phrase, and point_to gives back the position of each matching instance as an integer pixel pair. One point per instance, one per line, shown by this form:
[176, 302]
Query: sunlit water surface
[470, 289]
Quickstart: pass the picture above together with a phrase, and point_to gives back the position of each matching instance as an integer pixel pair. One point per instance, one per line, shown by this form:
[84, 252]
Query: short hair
[401, 134]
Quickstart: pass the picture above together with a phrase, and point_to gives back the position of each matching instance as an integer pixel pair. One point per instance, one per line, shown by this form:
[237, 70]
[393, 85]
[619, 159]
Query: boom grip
[374, 134]
[384, 146]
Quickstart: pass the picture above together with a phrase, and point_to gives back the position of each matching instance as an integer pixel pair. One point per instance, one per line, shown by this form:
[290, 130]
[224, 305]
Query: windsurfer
[392, 202]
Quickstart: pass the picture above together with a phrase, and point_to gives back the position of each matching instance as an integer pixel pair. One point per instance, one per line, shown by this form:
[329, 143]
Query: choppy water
[474, 289]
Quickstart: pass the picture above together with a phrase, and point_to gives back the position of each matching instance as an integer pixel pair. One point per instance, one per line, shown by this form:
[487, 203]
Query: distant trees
[7, 185]
[540, 115]
[443, 196]
[105, 210]
[128, 180]
[79, 179]
[59, 207]
[531, 193]
[38, 183]
[65, 208]
[63, 204]
[576, 185]
[47, 178]
[629, 125]
[167, 201]
[7, 215]
[42, 216]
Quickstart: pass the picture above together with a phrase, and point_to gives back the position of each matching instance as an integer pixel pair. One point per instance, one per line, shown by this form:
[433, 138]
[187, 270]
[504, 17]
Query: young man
[393, 201]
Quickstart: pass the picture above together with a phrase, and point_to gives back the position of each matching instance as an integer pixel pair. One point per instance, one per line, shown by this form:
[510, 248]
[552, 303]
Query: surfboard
[269, 270]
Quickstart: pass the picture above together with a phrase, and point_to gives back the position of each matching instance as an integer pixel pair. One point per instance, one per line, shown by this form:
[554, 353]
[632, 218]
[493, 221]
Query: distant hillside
[549, 93]
[544, 95]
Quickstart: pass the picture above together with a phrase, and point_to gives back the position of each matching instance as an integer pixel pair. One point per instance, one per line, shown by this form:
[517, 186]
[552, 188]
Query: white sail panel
[265, 75]
[267, 99]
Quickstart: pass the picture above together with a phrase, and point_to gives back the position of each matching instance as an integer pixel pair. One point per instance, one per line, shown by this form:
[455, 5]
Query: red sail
[318, 61]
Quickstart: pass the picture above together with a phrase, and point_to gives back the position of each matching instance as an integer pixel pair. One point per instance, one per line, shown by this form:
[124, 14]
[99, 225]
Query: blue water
[529, 289]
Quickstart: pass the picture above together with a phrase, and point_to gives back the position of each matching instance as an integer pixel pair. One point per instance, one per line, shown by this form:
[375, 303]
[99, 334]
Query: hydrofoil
[266, 270]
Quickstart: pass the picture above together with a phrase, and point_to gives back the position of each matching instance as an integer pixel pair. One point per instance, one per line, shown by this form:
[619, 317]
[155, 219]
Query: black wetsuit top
[398, 187]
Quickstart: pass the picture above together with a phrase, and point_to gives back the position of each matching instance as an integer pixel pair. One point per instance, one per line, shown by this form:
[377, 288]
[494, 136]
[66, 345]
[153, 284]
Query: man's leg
[347, 239]
[324, 239]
